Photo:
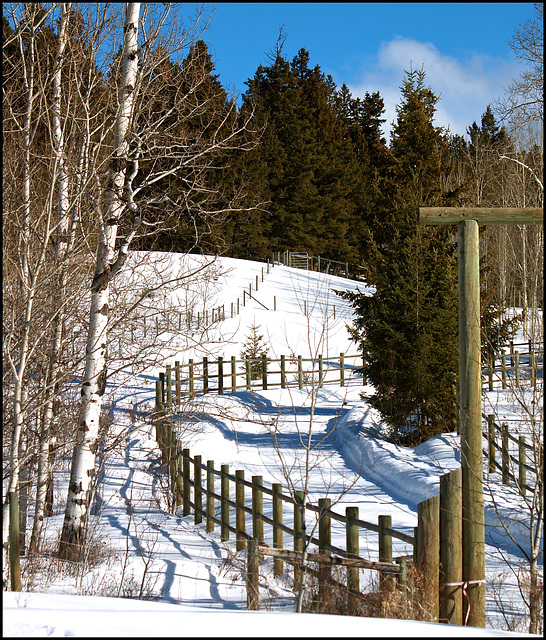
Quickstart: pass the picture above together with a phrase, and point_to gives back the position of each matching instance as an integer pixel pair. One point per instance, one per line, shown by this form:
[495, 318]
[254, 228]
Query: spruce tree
[408, 330]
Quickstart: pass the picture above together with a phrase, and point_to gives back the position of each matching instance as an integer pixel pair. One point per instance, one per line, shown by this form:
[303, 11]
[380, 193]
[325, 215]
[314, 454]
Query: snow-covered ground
[140, 550]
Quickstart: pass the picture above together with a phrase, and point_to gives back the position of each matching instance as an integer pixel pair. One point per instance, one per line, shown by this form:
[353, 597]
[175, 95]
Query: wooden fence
[224, 376]
[520, 366]
[194, 486]
[499, 433]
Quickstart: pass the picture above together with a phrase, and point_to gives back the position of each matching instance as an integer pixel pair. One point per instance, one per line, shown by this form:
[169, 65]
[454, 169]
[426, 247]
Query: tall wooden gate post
[470, 383]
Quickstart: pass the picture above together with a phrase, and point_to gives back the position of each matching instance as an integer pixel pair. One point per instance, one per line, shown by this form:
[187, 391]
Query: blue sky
[463, 47]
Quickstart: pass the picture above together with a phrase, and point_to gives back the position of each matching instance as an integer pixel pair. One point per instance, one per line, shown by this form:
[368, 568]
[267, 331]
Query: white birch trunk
[27, 288]
[85, 449]
[45, 439]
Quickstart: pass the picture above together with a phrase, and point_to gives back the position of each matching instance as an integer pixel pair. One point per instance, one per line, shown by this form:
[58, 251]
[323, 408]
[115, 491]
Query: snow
[190, 582]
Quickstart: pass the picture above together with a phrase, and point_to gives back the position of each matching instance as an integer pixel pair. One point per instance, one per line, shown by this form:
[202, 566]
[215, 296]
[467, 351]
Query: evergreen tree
[310, 164]
[408, 330]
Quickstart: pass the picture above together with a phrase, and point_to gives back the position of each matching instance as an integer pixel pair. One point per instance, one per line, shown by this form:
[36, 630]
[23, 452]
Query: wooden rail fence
[437, 534]
[508, 460]
[224, 376]
[519, 366]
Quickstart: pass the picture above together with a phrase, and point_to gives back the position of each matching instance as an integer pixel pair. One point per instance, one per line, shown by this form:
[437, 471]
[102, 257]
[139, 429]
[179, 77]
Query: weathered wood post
[177, 385]
[224, 504]
[190, 377]
[186, 508]
[428, 517]
[505, 454]
[240, 516]
[205, 375]
[470, 381]
[210, 496]
[283, 372]
[233, 374]
[300, 373]
[325, 538]
[451, 548]
[503, 374]
[169, 386]
[264, 371]
[491, 442]
[277, 531]
[522, 476]
[257, 509]
[248, 373]
[299, 515]
[320, 371]
[385, 545]
[220, 375]
[342, 369]
[252, 577]
[197, 490]
[353, 582]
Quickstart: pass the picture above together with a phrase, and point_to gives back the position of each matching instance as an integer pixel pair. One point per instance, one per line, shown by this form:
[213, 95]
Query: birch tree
[107, 265]
[148, 146]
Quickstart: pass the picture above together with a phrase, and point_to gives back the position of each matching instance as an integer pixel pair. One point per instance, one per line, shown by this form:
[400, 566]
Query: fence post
[186, 509]
[224, 505]
[190, 375]
[320, 371]
[428, 516]
[220, 375]
[233, 374]
[342, 369]
[197, 490]
[490, 373]
[248, 376]
[353, 582]
[517, 367]
[533, 370]
[300, 373]
[325, 538]
[491, 442]
[283, 372]
[505, 454]
[177, 386]
[162, 387]
[205, 374]
[522, 471]
[264, 371]
[299, 515]
[257, 509]
[451, 548]
[385, 545]
[503, 364]
[179, 477]
[169, 383]
[14, 542]
[252, 584]
[210, 497]
[240, 520]
[277, 531]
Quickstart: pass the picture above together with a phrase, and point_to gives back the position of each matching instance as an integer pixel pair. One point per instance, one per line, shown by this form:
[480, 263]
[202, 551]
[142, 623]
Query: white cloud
[465, 85]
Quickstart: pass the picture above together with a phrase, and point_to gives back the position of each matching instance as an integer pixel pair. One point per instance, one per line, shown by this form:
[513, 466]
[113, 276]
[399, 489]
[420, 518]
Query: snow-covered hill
[143, 550]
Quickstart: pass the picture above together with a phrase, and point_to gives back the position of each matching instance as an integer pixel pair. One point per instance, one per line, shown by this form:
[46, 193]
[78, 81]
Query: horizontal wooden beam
[482, 215]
